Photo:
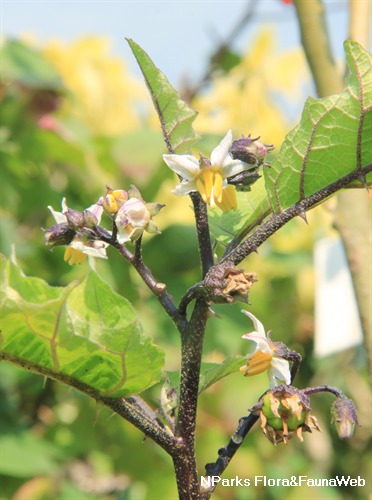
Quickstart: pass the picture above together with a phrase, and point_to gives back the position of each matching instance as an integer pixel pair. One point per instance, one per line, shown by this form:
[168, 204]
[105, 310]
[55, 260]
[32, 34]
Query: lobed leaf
[176, 117]
[332, 139]
[85, 331]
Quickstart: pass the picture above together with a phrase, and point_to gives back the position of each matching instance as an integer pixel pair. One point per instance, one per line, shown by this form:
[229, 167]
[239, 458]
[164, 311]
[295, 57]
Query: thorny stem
[278, 220]
[192, 347]
[226, 454]
[202, 228]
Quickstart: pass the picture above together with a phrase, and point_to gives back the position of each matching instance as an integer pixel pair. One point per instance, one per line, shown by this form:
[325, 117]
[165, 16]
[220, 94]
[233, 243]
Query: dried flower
[227, 284]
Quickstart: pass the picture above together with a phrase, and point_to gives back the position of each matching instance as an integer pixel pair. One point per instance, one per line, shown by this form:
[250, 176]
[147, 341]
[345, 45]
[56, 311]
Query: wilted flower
[285, 412]
[135, 216]
[209, 177]
[227, 284]
[73, 229]
[267, 356]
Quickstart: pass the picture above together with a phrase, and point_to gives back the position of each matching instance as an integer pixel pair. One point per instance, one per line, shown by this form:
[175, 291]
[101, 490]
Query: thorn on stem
[302, 214]
[363, 180]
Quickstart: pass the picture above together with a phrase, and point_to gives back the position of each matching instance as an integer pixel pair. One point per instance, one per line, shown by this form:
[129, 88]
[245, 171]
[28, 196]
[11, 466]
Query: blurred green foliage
[55, 442]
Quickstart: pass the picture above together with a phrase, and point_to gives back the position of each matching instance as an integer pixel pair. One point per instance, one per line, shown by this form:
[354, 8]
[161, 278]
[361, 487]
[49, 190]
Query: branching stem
[278, 220]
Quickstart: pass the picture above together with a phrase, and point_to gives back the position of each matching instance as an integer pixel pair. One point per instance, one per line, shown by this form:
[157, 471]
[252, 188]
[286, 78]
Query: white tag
[337, 321]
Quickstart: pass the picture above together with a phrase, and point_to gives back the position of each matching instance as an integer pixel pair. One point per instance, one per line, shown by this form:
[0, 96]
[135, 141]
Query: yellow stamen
[257, 363]
[207, 176]
[73, 256]
[217, 187]
[201, 188]
[229, 200]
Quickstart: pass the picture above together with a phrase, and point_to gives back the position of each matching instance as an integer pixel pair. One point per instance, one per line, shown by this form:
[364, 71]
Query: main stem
[192, 348]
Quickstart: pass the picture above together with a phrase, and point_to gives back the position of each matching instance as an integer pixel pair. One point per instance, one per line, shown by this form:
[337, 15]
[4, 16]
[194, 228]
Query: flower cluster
[79, 232]
[76, 230]
[210, 177]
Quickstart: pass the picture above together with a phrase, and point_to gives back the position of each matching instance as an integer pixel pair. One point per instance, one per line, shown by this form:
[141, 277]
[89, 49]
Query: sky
[178, 35]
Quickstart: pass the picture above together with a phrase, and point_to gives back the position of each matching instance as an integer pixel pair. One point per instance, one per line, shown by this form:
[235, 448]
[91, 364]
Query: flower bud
[135, 216]
[113, 200]
[90, 220]
[74, 218]
[60, 234]
[344, 416]
[250, 151]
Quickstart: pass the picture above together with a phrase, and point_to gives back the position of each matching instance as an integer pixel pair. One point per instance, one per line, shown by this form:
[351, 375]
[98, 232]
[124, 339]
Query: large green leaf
[176, 117]
[332, 139]
[84, 331]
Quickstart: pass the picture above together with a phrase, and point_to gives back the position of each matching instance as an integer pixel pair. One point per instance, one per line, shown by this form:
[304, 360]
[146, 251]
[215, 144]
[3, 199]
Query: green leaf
[84, 333]
[211, 373]
[27, 66]
[176, 117]
[253, 207]
[332, 139]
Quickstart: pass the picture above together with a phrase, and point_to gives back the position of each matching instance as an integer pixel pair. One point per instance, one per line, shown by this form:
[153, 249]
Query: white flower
[135, 216]
[208, 177]
[73, 229]
[265, 356]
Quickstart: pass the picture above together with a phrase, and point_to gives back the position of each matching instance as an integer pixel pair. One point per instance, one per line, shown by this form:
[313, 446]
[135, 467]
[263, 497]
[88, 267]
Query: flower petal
[98, 250]
[64, 205]
[185, 187]
[187, 166]
[233, 167]
[59, 217]
[262, 342]
[280, 370]
[258, 326]
[219, 153]
[97, 209]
